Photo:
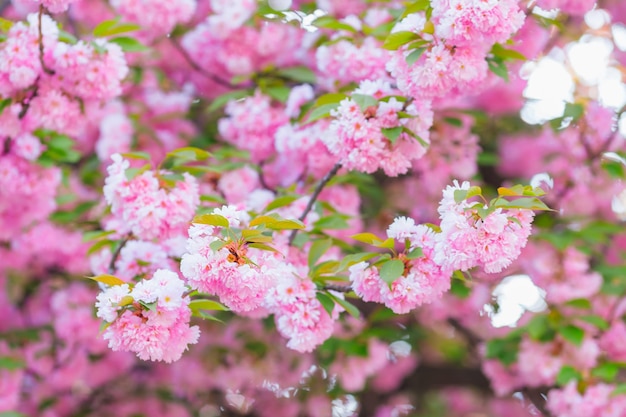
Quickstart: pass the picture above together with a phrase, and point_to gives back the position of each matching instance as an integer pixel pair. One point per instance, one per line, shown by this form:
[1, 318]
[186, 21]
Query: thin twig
[26, 102]
[198, 68]
[337, 287]
[314, 196]
[43, 64]
[117, 252]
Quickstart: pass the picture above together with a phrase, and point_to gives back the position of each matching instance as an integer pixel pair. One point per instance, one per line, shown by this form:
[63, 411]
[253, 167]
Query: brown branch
[117, 252]
[198, 68]
[314, 196]
[337, 287]
[538, 399]
[26, 101]
[43, 64]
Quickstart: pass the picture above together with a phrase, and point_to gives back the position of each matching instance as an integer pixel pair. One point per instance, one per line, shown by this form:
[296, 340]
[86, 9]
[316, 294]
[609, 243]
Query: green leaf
[497, 66]
[391, 270]
[126, 300]
[415, 136]
[5, 25]
[453, 121]
[349, 307]
[103, 27]
[96, 247]
[505, 350]
[573, 334]
[108, 280]
[459, 289]
[217, 245]
[113, 27]
[10, 363]
[397, 39]
[581, 303]
[597, 321]
[567, 374]
[189, 153]
[415, 55]
[221, 100]
[280, 92]
[326, 301]
[460, 195]
[11, 414]
[318, 249]
[392, 133]
[415, 253]
[149, 306]
[212, 220]
[137, 155]
[281, 202]
[129, 44]
[275, 222]
[388, 243]
[606, 371]
[321, 112]
[501, 52]
[416, 6]
[334, 221]
[539, 328]
[348, 260]
[329, 22]
[330, 98]
[262, 246]
[573, 110]
[529, 203]
[197, 305]
[368, 238]
[620, 389]
[364, 101]
[72, 215]
[4, 104]
[301, 74]
[96, 235]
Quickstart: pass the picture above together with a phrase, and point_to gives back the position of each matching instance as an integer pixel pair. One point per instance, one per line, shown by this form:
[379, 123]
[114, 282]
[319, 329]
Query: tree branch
[198, 68]
[117, 252]
[43, 64]
[314, 196]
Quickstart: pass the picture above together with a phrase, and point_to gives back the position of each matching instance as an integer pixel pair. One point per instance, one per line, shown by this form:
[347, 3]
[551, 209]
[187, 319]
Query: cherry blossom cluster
[238, 275]
[344, 60]
[422, 279]
[253, 280]
[455, 42]
[369, 133]
[151, 318]
[470, 237]
[145, 208]
[156, 16]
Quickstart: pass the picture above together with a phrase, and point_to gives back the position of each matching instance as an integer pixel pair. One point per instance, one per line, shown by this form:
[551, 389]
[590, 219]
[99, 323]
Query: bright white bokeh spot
[589, 58]
[515, 295]
[548, 14]
[280, 5]
[619, 36]
[597, 18]
[540, 179]
[621, 125]
[549, 86]
[611, 89]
